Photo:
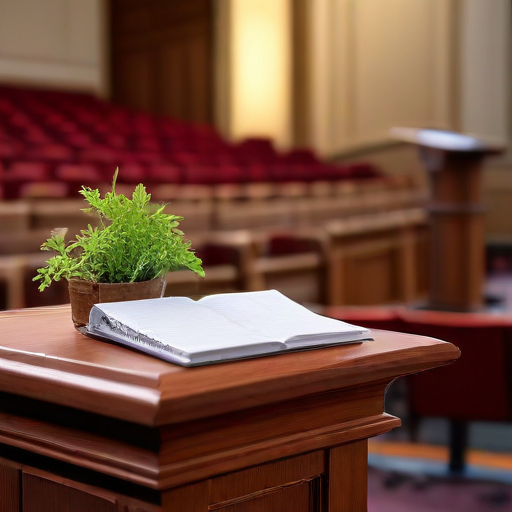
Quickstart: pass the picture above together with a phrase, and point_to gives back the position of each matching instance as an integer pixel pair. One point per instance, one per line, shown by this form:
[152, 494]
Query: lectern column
[457, 232]
[454, 164]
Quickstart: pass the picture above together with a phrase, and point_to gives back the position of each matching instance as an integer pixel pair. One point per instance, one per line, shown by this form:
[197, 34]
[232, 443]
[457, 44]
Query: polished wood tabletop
[43, 357]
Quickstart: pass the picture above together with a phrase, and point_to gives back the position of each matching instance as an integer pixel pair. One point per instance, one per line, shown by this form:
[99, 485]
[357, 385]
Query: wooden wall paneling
[14, 216]
[422, 259]
[172, 91]
[497, 199]
[298, 276]
[372, 259]
[199, 73]
[162, 57]
[197, 215]
[218, 279]
[364, 269]
[348, 478]
[372, 272]
[10, 486]
[63, 213]
[253, 213]
[13, 273]
[407, 264]
[132, 80]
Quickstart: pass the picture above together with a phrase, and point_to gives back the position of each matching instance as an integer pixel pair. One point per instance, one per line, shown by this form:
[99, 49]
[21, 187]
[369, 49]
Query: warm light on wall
[261, 69]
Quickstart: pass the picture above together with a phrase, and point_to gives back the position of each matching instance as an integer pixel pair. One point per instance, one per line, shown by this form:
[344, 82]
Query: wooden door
[162, 57]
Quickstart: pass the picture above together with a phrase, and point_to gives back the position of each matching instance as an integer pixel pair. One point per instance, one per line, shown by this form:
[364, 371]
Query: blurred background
[267, 125]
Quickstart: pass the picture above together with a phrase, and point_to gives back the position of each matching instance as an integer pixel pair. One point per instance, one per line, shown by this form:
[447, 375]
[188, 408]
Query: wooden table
[89, 426]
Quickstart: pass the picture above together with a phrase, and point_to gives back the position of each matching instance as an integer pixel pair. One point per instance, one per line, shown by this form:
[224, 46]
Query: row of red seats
[56, 141]
[38, 179]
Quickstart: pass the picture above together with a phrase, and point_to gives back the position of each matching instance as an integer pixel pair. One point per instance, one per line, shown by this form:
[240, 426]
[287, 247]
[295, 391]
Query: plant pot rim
[77, 279]
[84, 294]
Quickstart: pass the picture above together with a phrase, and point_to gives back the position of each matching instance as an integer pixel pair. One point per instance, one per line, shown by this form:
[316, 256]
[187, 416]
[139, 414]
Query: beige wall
[54, 43]
[255, 64]
[424, 63]
[485, 68]
[378, 64]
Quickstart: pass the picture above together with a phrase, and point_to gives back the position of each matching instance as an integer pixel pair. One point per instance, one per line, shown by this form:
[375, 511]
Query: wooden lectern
[90, 426]
[454, 165]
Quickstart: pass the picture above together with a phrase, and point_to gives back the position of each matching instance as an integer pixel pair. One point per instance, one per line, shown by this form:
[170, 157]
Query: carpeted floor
[413, 477]
[394, 492]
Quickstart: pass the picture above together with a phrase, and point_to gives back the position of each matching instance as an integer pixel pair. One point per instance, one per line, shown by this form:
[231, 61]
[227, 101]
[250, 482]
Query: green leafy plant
[135, 241]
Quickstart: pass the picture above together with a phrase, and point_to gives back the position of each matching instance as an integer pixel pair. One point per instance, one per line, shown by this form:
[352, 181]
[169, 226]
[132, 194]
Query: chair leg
[458, 445]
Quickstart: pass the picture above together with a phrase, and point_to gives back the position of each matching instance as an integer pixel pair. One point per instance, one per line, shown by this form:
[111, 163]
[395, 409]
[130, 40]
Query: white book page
[271, 314]
[184, 324]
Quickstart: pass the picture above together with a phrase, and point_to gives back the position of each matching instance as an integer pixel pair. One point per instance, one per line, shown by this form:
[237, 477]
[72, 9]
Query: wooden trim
[349, 469]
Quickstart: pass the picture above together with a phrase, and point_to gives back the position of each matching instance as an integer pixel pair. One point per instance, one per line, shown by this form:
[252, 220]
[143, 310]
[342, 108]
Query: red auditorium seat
[132, 172]
[363, 170]
[164, 173]
[98, 154]
[77, 175]
[50, 152]
[10, 149]
[301, 156]
[477, 387]
[256, 149]
[21, 173]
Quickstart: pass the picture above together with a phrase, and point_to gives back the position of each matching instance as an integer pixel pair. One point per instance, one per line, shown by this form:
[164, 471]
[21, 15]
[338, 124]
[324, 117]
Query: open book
[218, 327]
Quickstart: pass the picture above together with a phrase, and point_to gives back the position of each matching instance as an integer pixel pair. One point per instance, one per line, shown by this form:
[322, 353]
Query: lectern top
[446, 140]
[43, 357]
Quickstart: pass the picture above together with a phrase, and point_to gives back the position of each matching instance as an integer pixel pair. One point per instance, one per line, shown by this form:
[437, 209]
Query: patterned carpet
[396, 492]
[413, 477]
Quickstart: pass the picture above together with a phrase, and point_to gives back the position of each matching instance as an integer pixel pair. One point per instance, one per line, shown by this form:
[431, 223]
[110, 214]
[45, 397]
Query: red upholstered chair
[256, 149]
[99, 155]
[477, 387]
[77, 175]
[364, 170]
[50, 153]
[304, 156]
[21, 173]
[372, 317]
[9, 148]
[164, 173]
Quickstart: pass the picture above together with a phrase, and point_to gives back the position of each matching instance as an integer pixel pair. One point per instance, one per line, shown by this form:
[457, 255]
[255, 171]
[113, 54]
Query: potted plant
[125, 257]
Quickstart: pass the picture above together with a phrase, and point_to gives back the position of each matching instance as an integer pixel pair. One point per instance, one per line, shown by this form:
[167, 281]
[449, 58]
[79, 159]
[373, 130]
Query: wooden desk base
[88, 426]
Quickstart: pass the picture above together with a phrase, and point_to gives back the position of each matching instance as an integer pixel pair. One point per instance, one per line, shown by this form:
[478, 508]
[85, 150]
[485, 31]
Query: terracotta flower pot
[84, 294]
